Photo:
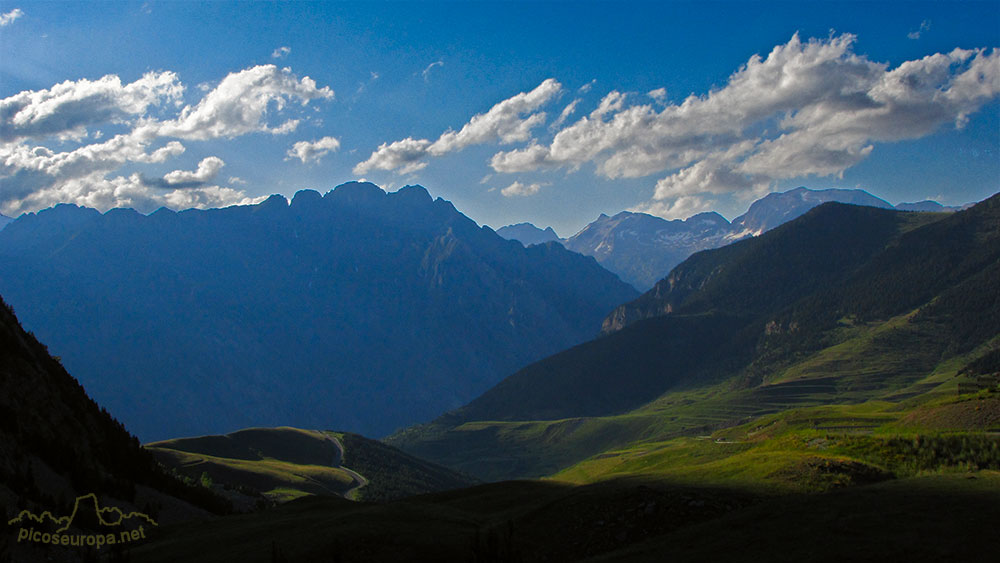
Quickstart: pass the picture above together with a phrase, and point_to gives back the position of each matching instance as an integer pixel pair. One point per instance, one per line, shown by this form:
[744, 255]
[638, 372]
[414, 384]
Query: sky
[550, 113]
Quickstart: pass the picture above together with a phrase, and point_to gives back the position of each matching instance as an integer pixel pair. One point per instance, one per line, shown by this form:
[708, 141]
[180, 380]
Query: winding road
[338, 460]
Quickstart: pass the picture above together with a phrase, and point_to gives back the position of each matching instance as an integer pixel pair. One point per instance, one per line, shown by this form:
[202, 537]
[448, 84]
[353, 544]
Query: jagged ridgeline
[843, 305]
[357, 309]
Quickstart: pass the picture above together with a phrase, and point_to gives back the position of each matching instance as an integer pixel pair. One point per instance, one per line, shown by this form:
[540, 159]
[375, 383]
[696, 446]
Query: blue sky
[517, 111]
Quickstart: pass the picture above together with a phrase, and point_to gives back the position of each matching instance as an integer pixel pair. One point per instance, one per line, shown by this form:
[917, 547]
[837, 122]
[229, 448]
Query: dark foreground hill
[57, 444]
[843, 305]
[357, 309]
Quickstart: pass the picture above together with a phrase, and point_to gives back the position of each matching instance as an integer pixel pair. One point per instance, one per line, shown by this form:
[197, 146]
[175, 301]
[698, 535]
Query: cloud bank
[35, 175]
[809, 108]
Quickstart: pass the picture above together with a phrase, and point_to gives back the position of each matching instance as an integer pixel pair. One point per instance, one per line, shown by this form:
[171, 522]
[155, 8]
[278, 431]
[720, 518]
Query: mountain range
[844, 304]
[356, 309]
[4, 220]
[643, 248]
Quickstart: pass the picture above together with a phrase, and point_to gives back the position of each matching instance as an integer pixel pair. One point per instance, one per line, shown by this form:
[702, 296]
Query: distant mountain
[641, 248]
[4, 220]
[58, 444]
[843, 304]
[528, 234]
[780, 207]
[928, 205]
[356, 309]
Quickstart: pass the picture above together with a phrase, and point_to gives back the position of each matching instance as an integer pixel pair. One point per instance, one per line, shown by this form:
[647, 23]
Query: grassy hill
[281, 464]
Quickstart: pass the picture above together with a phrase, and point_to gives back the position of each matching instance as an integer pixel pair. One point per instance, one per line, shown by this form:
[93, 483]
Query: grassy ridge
[817, 448]
[287, 463]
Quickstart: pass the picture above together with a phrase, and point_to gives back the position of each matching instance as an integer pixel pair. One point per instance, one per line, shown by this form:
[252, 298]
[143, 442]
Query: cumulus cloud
[403, 156]
[427, 71]
[281, 52]
[240, 103]
[506, 122]
[207, 170]
[9, 17]
[517, 189]
[37, 171]
[807, 108]
[307, 151]
[67, 109]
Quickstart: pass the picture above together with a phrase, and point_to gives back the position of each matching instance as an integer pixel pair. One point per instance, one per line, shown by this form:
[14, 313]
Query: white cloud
[9, 17]
[36, 171]
[427, 71]
[313, 151]
[207, 170]
[587, 87]
[240, 103]
[103, 193]
[281, 52]
[807, 108]
[403, 156]
[517, 189]
[70, 107]
[506, 122]
[237, 180]
[678, 208]
[532, 157]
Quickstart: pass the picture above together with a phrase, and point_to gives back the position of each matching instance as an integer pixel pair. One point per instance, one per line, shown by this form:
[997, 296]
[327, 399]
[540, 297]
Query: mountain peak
[528, 234]
[356, 193]
[413, 193]
[306, 199]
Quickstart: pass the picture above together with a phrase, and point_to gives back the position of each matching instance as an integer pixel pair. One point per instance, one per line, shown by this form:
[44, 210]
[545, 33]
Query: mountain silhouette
[357, 309]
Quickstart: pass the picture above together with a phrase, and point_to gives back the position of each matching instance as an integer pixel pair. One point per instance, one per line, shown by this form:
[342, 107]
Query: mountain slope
[358, 309]
[844, 304]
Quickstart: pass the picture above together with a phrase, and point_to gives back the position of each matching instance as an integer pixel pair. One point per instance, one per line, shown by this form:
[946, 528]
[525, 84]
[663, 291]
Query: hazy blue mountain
[927, 205]
[528, 234]
[4, 220]
[356, 309]
[641, 248]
